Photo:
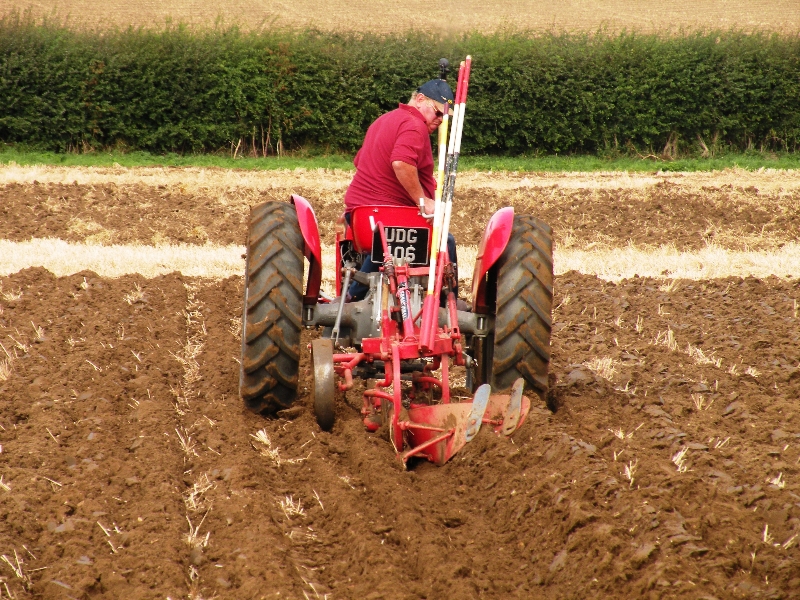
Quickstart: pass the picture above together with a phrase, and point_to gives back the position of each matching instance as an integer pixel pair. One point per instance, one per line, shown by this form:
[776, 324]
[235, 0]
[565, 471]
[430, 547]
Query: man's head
[430, 99]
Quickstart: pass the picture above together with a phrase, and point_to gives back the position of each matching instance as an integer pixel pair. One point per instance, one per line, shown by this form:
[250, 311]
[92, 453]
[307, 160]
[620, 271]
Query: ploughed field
[666, 464]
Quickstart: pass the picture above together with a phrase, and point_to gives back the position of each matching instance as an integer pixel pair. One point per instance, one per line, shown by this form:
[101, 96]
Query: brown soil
[107, 376]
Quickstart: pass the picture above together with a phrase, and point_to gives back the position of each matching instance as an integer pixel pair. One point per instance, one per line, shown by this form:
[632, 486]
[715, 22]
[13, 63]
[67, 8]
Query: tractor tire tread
[523, 323]
[272, 310]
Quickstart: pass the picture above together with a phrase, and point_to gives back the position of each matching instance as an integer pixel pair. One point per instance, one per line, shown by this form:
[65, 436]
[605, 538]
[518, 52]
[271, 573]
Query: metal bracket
[342, 298]
[469, 365]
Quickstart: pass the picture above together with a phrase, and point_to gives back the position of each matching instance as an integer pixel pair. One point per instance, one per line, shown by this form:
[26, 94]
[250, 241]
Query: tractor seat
[406, 231]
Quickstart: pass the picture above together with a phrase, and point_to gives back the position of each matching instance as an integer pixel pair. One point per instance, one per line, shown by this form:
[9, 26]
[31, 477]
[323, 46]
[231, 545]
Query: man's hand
[430, 204]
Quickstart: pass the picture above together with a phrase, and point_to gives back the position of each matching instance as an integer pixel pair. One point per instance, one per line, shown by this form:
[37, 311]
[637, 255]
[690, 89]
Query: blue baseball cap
[438, 90]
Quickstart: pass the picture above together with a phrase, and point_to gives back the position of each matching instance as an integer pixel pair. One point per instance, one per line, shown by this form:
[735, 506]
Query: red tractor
[407, 333]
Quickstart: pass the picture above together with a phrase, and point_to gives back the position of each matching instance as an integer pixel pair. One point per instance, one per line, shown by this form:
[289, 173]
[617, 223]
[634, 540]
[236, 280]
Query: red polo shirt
[401, 134]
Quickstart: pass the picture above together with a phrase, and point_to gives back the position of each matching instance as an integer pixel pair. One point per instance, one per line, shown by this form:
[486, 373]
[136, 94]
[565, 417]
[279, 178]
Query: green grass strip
[146, 159]
[749, 161]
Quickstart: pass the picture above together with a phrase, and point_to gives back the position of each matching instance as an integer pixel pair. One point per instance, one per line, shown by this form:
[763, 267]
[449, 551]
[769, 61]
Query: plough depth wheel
[324, 383]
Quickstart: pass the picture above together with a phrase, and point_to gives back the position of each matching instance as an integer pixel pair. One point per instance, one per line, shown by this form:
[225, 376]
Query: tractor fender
[494, 242]
[313, 249]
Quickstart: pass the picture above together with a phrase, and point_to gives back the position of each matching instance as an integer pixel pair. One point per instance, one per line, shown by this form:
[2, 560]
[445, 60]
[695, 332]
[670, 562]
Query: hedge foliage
[187, 90]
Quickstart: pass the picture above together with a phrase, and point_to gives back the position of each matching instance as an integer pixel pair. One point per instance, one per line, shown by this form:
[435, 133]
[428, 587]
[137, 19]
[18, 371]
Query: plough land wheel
[273, 303]
[521, 344]
[324, 382]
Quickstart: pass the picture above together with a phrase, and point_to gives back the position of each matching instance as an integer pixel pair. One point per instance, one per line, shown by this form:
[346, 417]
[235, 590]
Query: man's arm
[407, 176]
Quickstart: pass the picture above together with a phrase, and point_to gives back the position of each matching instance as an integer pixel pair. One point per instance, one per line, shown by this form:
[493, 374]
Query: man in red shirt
[395, 164]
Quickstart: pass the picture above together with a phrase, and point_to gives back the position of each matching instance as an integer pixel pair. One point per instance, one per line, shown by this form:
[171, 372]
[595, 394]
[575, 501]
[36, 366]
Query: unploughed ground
[666, 464]
[449, 16]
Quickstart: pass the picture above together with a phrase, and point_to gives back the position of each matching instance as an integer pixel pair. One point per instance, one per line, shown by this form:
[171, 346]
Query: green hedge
[204, 90]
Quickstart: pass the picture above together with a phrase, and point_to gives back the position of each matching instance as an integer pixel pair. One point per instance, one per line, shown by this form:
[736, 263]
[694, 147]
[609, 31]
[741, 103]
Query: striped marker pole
[453, 152]
[430, 312]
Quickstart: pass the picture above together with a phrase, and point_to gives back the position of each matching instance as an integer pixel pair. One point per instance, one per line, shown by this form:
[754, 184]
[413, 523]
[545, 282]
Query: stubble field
[665, 466]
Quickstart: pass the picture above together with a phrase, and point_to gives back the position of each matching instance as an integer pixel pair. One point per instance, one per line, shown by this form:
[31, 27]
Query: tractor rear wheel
[272, 310]
[521, 338]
